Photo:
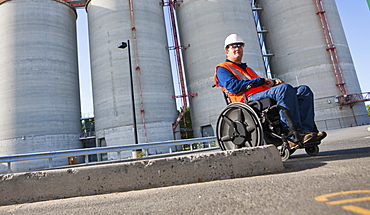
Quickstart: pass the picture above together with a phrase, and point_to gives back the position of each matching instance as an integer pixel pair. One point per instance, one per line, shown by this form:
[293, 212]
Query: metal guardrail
[100, 150]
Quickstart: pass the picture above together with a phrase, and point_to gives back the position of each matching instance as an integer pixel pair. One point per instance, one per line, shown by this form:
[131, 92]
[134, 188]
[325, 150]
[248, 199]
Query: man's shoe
[308, 137]
[292, 144]
[321, 135]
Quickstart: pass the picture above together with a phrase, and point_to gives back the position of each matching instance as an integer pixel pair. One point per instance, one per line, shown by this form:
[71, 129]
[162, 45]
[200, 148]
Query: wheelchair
[258, 123]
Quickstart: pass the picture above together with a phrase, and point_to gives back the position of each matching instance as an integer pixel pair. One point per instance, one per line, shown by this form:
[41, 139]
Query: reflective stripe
[242, 76]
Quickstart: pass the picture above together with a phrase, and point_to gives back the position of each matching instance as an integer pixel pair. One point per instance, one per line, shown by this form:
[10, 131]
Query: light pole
[123, 46]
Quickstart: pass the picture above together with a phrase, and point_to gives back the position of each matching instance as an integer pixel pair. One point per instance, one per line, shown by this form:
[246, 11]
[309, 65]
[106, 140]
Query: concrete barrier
[126, 176]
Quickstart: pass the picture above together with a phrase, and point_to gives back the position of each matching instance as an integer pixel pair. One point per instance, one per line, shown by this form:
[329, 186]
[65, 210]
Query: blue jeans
[298, 100]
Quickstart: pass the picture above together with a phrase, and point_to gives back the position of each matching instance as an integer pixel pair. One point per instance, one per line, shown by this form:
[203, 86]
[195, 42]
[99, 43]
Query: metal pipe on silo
[39, 86]
[111, 22]
[205, 25]
[301, 56]
[178, 61]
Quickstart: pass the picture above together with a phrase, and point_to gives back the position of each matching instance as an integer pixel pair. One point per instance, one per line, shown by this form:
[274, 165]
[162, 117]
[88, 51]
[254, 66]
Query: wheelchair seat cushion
[262, 104]
[267, 102]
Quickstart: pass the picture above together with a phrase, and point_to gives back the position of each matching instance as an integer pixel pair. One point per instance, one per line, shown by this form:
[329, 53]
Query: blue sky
[84, 64]
[355, 16]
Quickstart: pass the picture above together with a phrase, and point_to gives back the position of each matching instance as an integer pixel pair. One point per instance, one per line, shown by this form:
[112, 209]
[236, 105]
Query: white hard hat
[233, 38]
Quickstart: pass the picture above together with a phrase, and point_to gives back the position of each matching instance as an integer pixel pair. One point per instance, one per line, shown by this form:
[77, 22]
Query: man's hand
[269, 82]
[272, 83]
[278, 81]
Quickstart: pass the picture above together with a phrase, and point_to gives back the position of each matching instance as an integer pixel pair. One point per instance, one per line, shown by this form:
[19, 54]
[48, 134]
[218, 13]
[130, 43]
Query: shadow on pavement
[303, 161]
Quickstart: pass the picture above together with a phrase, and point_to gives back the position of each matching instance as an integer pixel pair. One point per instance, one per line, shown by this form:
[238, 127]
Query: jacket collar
[241, 65]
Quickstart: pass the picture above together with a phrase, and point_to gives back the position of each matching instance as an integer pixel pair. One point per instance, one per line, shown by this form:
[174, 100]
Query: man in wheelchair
[242, 84]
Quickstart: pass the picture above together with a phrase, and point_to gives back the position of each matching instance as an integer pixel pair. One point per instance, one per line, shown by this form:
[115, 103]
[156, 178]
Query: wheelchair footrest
[306, 145]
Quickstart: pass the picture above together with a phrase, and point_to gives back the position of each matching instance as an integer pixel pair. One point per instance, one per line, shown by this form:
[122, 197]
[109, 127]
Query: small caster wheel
[312, 150]
[284, 154]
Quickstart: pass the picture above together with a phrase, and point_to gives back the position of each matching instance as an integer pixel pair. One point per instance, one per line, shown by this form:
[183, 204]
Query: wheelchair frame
[258, 123]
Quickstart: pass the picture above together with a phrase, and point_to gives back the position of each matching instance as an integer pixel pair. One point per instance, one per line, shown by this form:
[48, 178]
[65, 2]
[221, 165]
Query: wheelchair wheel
[285, 154]
[238, 126]
[312, 150]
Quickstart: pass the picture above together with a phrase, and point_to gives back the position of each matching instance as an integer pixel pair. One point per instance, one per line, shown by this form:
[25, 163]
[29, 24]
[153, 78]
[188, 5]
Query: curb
[137, 175]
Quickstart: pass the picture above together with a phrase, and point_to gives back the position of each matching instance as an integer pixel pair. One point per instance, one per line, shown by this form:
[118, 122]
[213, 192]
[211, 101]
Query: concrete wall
[39, 88]
[110, 23]
[205, 25]
[296, 39]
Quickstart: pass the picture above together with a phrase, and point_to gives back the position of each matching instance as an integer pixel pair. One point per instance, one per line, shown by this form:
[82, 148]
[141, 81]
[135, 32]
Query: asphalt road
[336, 181]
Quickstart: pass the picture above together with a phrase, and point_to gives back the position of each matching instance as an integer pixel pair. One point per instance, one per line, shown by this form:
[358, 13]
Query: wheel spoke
[228, 120]
[240, 115]
[226, 138]
[250, 125]
[249, 143]
[251, 128]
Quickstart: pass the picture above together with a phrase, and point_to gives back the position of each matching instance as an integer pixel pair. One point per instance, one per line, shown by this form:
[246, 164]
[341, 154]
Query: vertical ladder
[331, 47]
[261, 31]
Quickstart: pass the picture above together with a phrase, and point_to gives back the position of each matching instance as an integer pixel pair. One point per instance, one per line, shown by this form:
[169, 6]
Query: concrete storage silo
[110, 23]
[39, 88]
[205, 25]
[296, 38]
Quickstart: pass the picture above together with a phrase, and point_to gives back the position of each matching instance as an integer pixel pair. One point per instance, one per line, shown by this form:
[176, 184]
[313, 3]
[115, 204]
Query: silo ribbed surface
[110, 23]
[297, 40]
[39, 88]
[205, 25]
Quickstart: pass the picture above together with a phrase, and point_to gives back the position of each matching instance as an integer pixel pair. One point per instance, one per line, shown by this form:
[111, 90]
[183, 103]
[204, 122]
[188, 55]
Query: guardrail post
[119, 155]
[9, 167]
[86, 159]
[50, 162]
